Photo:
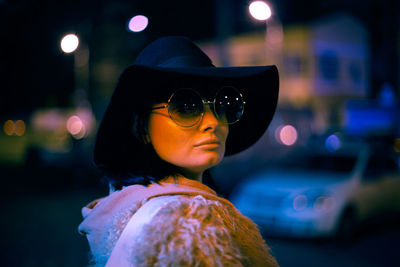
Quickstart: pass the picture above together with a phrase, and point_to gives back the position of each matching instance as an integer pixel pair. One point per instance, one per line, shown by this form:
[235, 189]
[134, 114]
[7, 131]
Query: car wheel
[347, 226]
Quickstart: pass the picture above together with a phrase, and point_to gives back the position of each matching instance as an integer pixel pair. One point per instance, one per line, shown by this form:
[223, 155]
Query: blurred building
[322, 63]
[324, 68]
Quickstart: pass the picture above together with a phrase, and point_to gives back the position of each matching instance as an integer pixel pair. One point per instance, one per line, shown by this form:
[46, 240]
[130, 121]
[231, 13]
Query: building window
[329, 65]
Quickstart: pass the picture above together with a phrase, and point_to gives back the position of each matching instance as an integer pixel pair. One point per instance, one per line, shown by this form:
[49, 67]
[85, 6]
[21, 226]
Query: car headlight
[324, 203]
[320, 202]
[300, 202]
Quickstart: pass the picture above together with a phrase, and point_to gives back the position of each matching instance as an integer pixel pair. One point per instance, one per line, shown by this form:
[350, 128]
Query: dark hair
[142, 166]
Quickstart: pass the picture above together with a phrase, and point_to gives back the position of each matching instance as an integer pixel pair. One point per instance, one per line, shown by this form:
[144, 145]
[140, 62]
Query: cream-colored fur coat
[192, 227]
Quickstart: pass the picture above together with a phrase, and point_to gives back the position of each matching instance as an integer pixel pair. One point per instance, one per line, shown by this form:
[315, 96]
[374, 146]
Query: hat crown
[173, 52]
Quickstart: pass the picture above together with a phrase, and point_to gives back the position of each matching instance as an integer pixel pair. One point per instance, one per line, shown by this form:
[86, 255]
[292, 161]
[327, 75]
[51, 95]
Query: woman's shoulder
[195, 229]
[186, 231]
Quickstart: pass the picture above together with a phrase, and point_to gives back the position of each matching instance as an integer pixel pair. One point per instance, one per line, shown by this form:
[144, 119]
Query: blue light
[332, 143]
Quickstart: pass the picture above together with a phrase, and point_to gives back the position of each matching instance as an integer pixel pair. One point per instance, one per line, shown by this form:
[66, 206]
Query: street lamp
[138, 23]
[260, 10]
[69, 43]
[79, 125]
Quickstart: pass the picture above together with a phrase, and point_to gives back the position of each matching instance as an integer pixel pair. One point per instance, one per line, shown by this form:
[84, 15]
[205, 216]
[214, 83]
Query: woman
[173, 116]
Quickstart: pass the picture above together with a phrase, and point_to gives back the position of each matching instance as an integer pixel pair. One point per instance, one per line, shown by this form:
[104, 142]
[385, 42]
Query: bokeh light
[332, 143]
[76, 127]
[324, 203]
[260, 10]
[17, 128]
[8, 127]
[69, 43]
[286, 135]
[138, 23]
[300, 202]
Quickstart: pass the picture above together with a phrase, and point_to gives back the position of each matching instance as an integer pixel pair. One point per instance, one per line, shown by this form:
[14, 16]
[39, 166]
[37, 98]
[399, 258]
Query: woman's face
[193, 149]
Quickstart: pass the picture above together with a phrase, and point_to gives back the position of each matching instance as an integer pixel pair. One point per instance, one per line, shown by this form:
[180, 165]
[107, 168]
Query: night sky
[35, 73]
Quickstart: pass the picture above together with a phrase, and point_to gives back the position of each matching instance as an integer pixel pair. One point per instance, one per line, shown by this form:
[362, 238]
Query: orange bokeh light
[17, 128]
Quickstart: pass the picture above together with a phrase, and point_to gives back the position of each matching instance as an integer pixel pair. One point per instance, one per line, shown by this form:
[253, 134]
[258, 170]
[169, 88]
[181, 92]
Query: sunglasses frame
[200, 117]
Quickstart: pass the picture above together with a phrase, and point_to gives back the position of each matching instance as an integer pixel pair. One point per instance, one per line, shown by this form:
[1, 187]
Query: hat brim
[259, 86]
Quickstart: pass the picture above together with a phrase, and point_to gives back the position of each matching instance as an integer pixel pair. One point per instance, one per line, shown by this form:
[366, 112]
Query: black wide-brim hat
[174, 62]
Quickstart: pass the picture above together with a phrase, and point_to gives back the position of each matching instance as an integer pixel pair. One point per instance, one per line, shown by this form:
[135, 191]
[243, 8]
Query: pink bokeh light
[138, 23]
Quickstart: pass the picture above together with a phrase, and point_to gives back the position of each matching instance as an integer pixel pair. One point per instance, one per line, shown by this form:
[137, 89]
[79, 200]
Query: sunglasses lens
[185, 107]
[229, 104]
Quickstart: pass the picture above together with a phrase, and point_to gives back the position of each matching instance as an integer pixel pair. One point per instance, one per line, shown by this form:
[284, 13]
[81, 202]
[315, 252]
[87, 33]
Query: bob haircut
[145, 166]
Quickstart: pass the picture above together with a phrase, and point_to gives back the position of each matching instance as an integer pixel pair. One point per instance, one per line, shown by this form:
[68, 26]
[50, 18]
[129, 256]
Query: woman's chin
[206, 162]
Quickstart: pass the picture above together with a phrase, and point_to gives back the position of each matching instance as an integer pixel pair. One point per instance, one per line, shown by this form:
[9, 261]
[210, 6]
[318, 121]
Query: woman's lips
[208, 143]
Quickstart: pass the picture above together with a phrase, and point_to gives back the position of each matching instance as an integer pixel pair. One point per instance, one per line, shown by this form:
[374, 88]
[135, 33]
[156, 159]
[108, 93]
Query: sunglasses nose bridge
[211, 105]
[209, 102]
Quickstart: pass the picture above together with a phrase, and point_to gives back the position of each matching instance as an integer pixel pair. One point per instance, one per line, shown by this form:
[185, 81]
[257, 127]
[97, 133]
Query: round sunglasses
[186, 106]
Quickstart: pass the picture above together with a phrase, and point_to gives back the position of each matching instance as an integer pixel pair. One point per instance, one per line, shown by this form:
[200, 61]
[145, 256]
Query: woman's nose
[209, 120]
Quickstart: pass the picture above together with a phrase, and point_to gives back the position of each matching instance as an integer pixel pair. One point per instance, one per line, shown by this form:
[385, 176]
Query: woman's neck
[197, 176]
[187, 175]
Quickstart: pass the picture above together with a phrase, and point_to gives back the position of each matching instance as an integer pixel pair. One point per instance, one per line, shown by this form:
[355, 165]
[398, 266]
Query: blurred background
[323, 183]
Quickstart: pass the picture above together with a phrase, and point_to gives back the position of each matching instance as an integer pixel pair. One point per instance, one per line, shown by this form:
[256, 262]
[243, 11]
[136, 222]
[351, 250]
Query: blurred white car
[322, 194]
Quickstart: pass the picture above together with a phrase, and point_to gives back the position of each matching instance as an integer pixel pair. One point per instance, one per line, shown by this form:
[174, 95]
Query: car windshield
[316, 162]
